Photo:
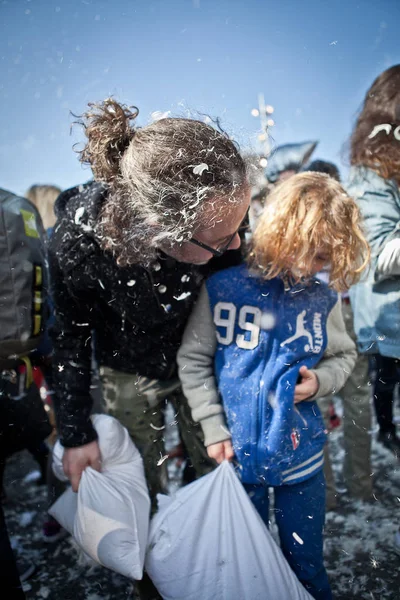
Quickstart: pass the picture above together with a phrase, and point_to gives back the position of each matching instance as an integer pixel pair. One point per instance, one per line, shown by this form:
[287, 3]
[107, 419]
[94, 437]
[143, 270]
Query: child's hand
[307, 387]
[221, 451]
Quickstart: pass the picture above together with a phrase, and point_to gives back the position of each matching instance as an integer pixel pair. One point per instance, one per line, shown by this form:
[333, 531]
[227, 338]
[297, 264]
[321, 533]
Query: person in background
[23, 420]
[263, 342]
[44, 198]
[15, 436]
[355, 396]
[323, 166]
[374, 181]
[284, 162]
[287, 160]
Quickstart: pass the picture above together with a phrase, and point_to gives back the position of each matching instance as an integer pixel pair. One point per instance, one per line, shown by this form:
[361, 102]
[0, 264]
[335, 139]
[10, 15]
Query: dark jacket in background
[289, 157]
[138, 314]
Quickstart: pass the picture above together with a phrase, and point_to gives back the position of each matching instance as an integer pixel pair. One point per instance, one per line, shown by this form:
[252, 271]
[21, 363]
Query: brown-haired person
[374, 182]
[127, 258]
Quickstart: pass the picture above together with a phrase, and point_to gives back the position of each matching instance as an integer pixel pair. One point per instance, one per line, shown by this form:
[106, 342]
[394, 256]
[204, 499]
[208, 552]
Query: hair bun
[109, 130]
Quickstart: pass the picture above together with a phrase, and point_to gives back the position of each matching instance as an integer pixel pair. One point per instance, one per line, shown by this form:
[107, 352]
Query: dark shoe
[146, 589]
[25, 569]
[3, 497]
[391, 442]
[189, 473]
[52, 531]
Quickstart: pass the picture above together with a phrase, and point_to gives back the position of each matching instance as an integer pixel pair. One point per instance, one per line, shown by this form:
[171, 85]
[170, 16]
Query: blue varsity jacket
[264, 335]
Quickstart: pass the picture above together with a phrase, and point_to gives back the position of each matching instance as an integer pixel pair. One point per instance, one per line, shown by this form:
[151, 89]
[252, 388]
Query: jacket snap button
[162, 289]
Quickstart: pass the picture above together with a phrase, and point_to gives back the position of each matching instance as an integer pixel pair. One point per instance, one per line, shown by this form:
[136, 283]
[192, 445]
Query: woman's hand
[221, 451]
[307, 387]
[75, 461]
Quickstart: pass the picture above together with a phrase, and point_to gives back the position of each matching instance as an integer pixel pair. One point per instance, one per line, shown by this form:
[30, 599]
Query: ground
[361, 555]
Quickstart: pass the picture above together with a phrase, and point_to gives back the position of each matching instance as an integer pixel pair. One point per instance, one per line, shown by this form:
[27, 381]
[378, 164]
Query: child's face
[320, 260]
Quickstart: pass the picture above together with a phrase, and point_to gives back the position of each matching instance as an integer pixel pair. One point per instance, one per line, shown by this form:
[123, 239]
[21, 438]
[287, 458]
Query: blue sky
[313, 60]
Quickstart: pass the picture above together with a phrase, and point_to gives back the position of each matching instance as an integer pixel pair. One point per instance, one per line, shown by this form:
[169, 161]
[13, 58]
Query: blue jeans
[300, 516]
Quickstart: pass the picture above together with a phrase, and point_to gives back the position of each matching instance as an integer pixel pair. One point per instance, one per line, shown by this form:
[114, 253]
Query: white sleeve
[388, 264]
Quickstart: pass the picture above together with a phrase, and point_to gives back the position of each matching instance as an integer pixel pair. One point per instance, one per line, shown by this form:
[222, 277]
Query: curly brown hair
[307, 214]
[162, 178]
[371, 146]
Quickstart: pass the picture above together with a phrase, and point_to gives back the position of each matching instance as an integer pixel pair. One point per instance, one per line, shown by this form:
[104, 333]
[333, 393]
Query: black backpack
[23, 278]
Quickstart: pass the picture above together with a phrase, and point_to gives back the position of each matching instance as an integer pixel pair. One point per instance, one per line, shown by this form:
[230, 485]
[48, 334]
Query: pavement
[360, 550]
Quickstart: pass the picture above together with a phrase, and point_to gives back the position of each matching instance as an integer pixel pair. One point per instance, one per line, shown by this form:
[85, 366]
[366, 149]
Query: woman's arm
[71, 334]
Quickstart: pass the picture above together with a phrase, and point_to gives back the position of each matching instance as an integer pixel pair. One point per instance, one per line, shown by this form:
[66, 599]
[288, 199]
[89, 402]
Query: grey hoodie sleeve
[339, 358]
[196, 372]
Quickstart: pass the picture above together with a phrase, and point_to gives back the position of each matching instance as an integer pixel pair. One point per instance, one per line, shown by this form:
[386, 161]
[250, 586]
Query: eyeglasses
[214, 251]
[220, 251]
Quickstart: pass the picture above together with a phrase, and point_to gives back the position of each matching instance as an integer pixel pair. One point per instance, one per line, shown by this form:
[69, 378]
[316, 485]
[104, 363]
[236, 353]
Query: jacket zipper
[151, 280]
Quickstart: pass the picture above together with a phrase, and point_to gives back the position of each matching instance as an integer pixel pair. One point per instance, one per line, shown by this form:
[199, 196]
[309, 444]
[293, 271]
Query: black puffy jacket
[137, 314]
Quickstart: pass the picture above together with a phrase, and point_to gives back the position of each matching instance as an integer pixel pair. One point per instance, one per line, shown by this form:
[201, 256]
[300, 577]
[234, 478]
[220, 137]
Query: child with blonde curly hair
[264, 341]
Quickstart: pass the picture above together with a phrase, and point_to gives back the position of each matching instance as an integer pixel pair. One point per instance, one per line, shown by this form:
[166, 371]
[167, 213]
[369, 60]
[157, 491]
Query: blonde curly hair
[44, 197]
[306, 215]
